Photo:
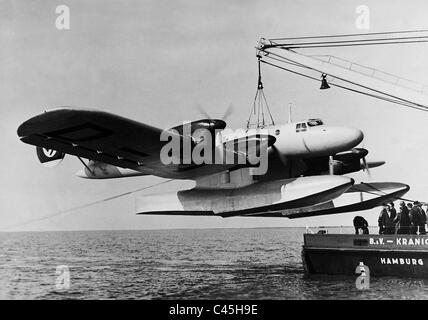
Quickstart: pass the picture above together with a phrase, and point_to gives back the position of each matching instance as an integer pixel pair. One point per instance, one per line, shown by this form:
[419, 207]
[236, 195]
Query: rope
[267, 106]
[260, 100]
[62, 212]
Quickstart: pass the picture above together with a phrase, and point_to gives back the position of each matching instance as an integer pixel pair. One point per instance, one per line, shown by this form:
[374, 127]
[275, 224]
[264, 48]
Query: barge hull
[388, 255]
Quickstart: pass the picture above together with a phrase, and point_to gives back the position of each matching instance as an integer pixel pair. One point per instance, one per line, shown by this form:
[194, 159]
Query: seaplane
[305, 175]
[296, 169]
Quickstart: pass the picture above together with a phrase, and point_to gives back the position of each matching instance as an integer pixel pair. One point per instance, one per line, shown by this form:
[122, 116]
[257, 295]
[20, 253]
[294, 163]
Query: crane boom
[345, 74]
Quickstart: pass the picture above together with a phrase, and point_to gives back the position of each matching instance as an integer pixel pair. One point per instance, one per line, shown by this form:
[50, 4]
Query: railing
[418, 230]
[329, 229]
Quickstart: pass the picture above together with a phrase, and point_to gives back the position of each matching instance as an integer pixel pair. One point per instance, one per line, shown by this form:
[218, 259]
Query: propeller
[366, 167]
[363, 159]
[229, 111]
[202, 111]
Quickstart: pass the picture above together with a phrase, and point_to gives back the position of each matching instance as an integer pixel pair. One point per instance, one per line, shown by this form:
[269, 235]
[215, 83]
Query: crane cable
[260, 101]
[403, 103]
[393, 99]
[410, 38]
[343, 44]
[364, 39]
[352, 35]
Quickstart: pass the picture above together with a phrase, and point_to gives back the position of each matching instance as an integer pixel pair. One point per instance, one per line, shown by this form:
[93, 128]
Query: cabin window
[315, 122]
[301, 127]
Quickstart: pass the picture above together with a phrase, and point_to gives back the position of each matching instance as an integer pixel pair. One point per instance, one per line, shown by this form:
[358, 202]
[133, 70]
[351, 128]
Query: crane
[283, 53]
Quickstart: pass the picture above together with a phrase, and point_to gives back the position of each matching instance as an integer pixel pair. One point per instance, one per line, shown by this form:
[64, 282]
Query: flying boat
[305, 167]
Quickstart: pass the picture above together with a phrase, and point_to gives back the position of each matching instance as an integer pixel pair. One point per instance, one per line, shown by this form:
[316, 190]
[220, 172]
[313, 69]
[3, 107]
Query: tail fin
[49, 157]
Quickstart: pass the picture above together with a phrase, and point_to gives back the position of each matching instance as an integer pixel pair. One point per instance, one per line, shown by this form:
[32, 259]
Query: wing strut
[86, 166]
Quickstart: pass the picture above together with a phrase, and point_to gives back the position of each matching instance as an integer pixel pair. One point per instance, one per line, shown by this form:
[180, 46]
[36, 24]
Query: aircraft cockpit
[303, 126]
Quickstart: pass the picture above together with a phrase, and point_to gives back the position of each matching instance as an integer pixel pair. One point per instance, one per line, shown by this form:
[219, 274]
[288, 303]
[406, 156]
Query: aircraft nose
[351, 137]
[342, 139]
[333, 140]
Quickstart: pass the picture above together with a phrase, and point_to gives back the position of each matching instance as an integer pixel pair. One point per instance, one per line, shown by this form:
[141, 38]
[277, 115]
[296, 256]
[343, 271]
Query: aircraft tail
[49, 157]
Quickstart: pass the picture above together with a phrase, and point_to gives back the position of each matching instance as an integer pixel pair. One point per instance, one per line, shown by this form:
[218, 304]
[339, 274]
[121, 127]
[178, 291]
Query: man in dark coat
[393, 211]
[402, 220]
[423, 218]
[415, 218]
[386, 221]
[361, 223]
[425, 214]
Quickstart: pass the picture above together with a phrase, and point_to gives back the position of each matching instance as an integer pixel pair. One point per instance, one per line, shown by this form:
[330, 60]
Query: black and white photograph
[200, 150]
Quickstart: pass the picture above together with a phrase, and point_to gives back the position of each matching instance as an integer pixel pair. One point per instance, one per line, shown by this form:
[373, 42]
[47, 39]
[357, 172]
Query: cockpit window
[315, 122]
[301, 127]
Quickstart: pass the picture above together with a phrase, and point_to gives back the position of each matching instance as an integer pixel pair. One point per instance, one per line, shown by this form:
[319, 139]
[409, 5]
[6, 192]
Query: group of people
[410, 219]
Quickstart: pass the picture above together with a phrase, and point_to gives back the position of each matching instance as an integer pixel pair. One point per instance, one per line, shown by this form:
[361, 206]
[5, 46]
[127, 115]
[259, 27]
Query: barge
[384, 255]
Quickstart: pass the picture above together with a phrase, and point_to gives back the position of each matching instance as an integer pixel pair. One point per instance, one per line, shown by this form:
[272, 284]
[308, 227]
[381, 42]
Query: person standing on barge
[423, 221]
[415, 218]
[402, 220]
[386, 220]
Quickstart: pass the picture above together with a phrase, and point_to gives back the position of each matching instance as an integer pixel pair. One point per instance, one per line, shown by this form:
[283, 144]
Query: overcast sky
[156, 61]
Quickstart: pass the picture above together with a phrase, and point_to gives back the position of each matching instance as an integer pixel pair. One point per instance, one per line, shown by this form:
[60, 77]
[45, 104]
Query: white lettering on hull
[400, 241]
[402, 261]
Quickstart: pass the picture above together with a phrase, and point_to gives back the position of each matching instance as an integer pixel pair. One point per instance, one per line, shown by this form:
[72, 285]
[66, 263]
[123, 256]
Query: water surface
[176, 264]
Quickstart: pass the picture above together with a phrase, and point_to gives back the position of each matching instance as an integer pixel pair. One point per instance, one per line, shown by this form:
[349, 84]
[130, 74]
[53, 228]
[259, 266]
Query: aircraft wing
[111, 139]
[99, 136]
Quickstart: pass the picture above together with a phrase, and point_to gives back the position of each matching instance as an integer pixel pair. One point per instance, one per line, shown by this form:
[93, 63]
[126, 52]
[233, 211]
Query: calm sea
[175, 264]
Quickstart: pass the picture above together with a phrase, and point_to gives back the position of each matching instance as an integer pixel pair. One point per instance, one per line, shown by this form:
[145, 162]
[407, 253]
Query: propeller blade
[230, 109]
[366, 167]
[203, 112]
[374, 164]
